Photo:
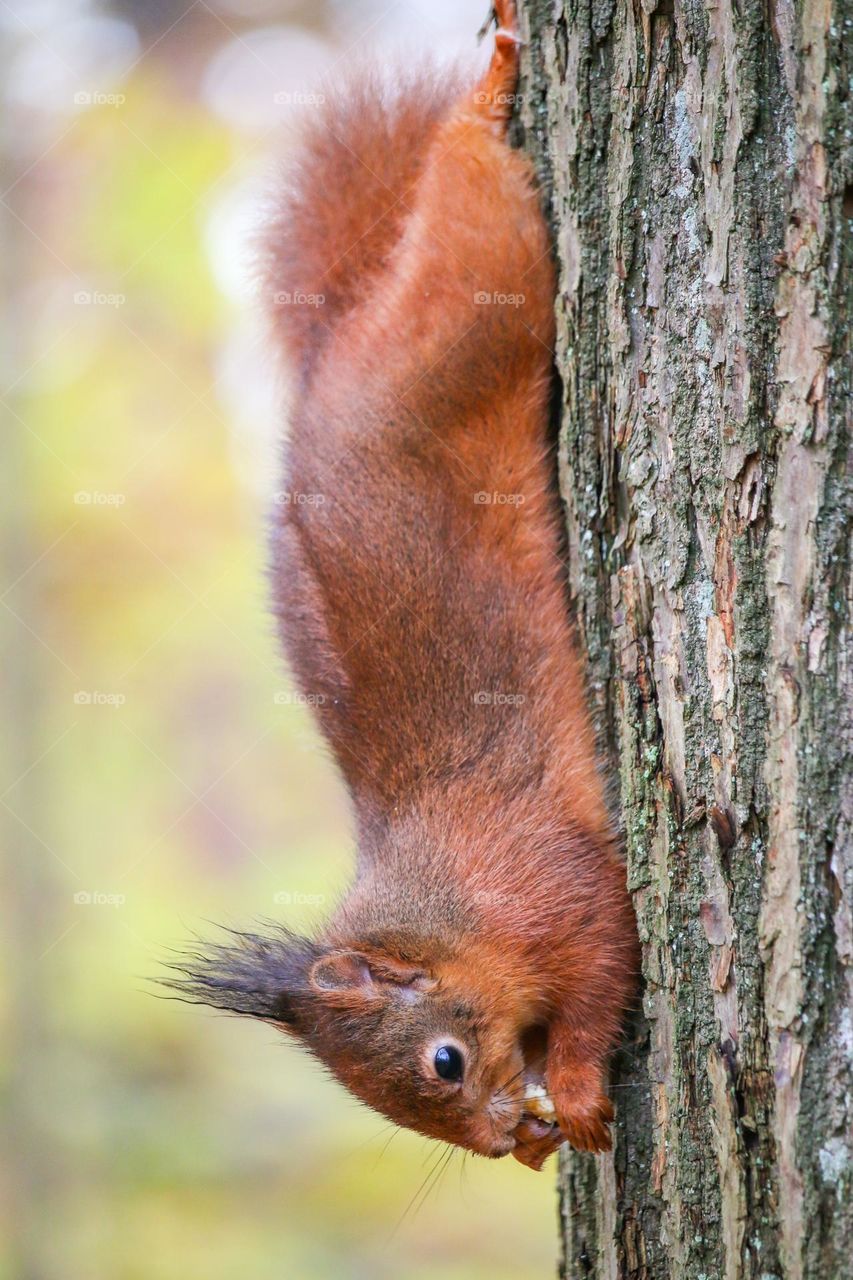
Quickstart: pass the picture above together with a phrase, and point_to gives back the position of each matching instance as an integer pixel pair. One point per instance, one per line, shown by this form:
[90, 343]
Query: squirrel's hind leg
[495, 94]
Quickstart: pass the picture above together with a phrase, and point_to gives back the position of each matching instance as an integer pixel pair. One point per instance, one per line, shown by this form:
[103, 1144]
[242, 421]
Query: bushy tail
[345, 199]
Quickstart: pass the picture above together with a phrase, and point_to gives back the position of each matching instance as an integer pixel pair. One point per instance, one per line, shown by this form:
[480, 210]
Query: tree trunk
[695, 156]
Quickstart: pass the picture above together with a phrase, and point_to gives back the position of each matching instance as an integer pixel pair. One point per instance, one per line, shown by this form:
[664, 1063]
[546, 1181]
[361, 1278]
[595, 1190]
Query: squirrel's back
[417, 572]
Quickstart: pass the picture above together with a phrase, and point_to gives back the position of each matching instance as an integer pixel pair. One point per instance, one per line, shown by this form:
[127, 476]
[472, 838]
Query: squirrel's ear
[340, 971]
[257, 975]
[343, 976]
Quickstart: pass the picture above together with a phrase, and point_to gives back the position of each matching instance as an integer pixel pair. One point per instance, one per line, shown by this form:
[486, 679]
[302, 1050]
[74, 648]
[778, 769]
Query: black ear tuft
[261, 976]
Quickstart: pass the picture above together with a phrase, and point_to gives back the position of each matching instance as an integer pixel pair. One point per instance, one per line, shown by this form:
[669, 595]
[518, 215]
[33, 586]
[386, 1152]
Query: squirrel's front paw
[584, 1119]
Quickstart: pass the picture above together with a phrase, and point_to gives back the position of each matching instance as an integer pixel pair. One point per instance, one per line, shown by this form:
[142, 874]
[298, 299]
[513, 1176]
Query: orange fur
[430, 628]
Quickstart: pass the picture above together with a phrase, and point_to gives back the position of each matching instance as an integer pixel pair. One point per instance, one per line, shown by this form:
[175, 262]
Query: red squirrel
[487, 950]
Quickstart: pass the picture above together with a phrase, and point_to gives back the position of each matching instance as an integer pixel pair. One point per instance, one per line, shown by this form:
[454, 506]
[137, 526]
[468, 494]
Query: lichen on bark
[697, 165]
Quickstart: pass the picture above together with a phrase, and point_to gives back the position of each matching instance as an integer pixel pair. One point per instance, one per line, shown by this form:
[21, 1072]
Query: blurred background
[157, 772]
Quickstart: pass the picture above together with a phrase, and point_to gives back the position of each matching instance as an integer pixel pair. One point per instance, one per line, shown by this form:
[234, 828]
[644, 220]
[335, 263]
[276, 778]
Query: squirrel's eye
[449, 1063]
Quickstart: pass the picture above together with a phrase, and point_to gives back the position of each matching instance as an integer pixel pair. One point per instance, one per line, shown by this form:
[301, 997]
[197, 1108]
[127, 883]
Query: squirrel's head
[422, 1044]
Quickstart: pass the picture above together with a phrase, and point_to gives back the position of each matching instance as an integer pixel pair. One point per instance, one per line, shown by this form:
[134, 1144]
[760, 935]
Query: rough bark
[696, 159]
